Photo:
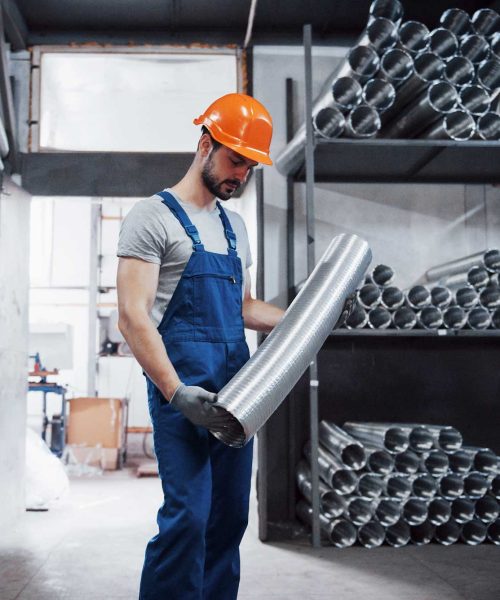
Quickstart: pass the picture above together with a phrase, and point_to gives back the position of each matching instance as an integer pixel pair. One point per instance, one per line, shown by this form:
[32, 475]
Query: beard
[214, 186]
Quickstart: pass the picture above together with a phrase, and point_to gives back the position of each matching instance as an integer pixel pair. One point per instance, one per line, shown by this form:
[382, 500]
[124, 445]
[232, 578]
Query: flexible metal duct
[495, 486]
[474, 99]
[476, 276]
[339, 532]
[331, 504]
[414, 511]
[451, 486]
[418, 297]
[369, 295]
[371, 534]
[383, 275]
[486, 21]
[487, 509]
[459, 71]
[430, 317]
[424, 486]
[441, 296]
[467, 297]
[392, 298]
[422, 534]
[380, 34]
[257, 390]
[358, 318]
[396, 66]
[379, 318]
[346, 448]
[388, 9]
[370, 485]
[443, 42]
[488, 74]
[490, 259]
[404, 318]
[406, 462]
[454, 317]
[448, 533]
[462, 510]
[490, 297]
[474, 532]
[398, 535]
[398, 486]
[435, 462]
[362, 122]
[378, 460]
[329, 123]
[446, 438]
[495, 319]
[475, 48]
[459, 125]
[333, 471]
[457, 21]
[413, 37]
[494, 532]
[379, 94]
[347, 93]
[392, 438]
[387, 511]
[485, 461]
[479, 318]
[439, 511]
[475, 484]
[460, 462]
[359, 510]
[495, 46]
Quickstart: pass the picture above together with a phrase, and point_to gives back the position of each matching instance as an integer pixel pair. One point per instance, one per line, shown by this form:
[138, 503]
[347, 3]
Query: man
[184, 300]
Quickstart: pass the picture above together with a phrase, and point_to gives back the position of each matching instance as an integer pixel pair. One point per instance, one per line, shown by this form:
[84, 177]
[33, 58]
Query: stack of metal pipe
[464, 293]
[401, 483]
[402, 80]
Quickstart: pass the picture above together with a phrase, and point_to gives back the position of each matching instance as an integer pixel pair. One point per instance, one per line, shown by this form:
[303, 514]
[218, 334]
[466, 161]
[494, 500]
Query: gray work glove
[197, 405]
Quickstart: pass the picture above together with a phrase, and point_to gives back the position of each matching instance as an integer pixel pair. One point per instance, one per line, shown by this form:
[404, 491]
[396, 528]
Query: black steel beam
[15, 26]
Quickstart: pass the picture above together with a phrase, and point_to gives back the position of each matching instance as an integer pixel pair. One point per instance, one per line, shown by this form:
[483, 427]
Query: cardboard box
[96, 422]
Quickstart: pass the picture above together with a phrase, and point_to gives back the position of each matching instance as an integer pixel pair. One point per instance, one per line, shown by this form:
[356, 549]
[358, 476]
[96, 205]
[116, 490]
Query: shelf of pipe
[448, 333]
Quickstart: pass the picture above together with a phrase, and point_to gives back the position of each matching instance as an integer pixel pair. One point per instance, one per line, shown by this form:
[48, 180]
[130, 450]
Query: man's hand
[197, 405]
[349, 305]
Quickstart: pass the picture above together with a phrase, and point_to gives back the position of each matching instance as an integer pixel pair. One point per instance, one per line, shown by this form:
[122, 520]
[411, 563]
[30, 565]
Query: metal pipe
[387, 511]
[389, 9]
[486, 21]
[369, 295]
[396, 66]
[467, 297]
[439, 511]
[495, 486]
[398, 535]
[378, 460]
[379, 318]
[347, 93]
[358, 318]
[413, 37]
[459, 71]
[260, 386]
[406, 462]
[380, 33]
[383, 275]
[332, 471]
[495, 319]
[344, 447]
[495, 45]
[414, 511]
[462, 510]
[475, 484]
[398, 486]
[448, 533]
[424, 486]
[474, 532]
[443, 42]
[460, 462]
[458, 125]
[428, 67]
[371, 534]
[393, 439]
[479, 318]
[370, 485]
[418, 297]
[485, 461]
[494, 532]
[446, 438]
[422, 534]
[441, 296]
[474, 99]
[359, 510]
[490, 259]
[339, 532]
[419, 437]
[451, 486]
[454, 317]
[487, 509]
[488, 74]
[457, 21]
[488, 126]
[430, 317]
[379, 94]
[489, 297]
[404, 318]
[329, 123]
[332, 504]
[392, 298]
[362, 122]
[435, 462]
[476, 276]
[475, 48]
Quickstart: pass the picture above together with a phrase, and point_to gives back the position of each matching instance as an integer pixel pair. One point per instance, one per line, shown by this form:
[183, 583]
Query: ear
[205, 145]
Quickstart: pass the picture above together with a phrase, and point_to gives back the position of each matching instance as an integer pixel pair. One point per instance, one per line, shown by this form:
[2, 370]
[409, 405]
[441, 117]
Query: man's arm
[259, 315]
[137, 281]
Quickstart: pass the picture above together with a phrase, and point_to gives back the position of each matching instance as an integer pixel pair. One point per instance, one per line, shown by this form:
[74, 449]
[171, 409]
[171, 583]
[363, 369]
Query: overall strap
[228, 231]
[170, 201]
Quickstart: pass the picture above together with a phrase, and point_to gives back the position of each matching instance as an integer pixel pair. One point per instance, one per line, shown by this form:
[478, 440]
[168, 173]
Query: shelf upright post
[311, 260]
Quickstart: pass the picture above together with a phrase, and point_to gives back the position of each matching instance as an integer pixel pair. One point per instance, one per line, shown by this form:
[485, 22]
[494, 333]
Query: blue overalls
[206, 484]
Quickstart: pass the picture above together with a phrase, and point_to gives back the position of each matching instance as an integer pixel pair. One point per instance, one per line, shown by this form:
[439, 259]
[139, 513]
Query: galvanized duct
[371, 534]
[331, 504]
[369, 295]
[438, 511]
[422, 534]
[443, 42]
[379, 94]
[448, 533]
[459, 126]
[404, 318]
[490, 259]
[474, 532]
[392, 438]
[488, 74]
[396, 66]
[484, 460]
[418, 297]
[378, 460]
[413, 37]
[388, 9]
[362, 122]
[424, 486]
[441, 296]
[488, 126]
[457, 21]
[494, 532]
[406, 462]
[329, 123]
[333, 472]
[462, 510]
[451, 486]
[379, 318]
[383, 275]
[339, 532]
[435, 462]
[446, 438]
[460, 462]
[358, 318]
[392, 298]
[475, 484]
[398, 486]
[398, 535]
[486, 21]
[459, 71]
[387, 511]
[257, 390]
[346, 448]
[454, 318]
[475, 48]
[370, 485]
[474, 99]
[346, 94]
[466, 297]
[487, 509]
[430, 317]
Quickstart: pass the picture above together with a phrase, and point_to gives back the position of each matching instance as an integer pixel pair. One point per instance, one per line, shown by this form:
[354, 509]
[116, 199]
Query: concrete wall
[14, 285]
[410, 227]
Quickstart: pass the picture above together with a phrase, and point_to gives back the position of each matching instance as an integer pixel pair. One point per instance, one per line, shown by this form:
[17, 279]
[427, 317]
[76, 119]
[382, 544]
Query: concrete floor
[91, 547]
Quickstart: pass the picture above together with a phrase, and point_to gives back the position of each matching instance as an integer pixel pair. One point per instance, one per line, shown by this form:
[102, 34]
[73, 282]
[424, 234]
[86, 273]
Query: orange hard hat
[241, 123]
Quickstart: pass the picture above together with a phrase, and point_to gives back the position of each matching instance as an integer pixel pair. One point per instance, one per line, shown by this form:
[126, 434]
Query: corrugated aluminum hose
[257, 390]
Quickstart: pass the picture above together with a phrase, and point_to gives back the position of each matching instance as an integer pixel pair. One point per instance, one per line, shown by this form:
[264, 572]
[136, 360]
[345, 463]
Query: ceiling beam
[15, 26]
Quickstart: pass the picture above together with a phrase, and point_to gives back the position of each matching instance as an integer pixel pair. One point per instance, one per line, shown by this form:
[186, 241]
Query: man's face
[224, 171]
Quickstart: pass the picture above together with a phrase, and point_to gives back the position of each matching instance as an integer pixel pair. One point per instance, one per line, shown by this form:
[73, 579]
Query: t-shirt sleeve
[242, 238]
[143, 232]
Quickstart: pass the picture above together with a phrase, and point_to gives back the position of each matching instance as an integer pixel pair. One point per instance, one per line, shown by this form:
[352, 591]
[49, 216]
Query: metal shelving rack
[387, 160]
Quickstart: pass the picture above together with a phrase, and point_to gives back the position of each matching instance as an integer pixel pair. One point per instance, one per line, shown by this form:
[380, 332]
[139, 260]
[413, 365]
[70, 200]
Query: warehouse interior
[97, 104]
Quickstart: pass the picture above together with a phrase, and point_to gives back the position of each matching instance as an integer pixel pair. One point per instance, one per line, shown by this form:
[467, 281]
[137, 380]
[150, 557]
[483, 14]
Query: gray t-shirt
[152, 233]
